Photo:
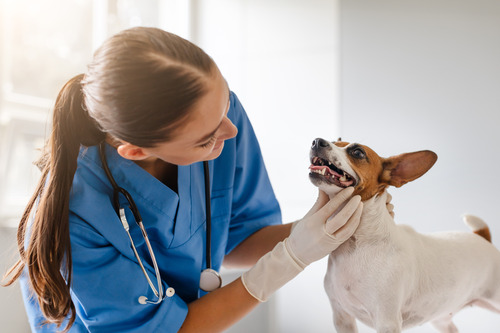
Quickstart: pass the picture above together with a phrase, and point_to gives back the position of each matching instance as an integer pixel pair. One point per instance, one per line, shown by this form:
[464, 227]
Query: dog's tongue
[331, 172]
[347, 183]
[321, 167]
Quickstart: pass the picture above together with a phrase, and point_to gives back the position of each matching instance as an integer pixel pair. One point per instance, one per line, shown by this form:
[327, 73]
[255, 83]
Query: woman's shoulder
[90, 196]
[236, 111]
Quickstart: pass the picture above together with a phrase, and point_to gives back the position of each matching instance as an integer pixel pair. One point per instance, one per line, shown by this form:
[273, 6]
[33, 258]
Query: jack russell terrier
[388, 276]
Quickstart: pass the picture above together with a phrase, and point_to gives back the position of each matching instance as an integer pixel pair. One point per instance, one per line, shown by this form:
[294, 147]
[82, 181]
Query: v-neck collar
[137, 181]
[186, 208]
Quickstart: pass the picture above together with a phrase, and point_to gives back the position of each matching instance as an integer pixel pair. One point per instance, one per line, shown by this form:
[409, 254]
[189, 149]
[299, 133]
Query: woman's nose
[229, 131]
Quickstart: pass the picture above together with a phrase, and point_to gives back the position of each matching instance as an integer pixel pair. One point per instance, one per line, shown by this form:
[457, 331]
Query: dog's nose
[319, 143]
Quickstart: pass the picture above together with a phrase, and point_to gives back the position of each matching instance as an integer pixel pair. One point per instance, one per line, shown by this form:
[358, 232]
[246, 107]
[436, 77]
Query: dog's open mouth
[329, 172]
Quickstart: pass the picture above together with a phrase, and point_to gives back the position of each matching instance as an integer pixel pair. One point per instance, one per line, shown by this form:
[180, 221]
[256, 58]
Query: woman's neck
[161, 170]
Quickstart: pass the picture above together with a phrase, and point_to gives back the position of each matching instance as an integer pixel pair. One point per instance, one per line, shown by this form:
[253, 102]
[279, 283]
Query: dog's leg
[344, 323]
[388, 319]
[445, 325]
[487, 304]
[389, 328]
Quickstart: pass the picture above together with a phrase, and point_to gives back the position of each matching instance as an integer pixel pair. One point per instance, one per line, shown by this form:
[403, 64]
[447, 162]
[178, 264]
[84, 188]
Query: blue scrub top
[107, 279]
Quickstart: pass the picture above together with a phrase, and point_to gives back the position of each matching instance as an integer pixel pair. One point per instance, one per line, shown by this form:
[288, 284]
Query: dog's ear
[401, 169]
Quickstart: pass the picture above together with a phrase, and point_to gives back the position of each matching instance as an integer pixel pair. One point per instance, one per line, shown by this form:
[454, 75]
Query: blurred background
[397, 75]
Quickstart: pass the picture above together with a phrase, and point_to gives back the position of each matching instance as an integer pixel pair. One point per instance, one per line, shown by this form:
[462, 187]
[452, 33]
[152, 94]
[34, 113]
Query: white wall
[425, 74]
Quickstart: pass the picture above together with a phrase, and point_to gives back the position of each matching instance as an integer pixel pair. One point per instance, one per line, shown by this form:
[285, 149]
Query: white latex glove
[312, 238]
[315, 236]
[320, 202]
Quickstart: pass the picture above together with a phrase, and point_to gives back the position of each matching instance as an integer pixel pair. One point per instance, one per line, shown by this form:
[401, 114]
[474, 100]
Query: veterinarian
[115, 236]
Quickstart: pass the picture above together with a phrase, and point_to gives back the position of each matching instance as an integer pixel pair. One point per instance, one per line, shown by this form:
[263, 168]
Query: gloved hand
[315, 236]
[320, 202]
[312, 238]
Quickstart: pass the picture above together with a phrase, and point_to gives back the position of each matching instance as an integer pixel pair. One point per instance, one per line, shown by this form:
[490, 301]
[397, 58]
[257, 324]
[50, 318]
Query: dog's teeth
[344, 177]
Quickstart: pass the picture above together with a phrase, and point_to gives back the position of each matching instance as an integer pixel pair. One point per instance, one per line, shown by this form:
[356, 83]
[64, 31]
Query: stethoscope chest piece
[210, 280]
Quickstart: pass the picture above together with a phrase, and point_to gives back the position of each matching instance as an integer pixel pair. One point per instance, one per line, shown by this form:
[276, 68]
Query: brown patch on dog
[368, 171]
[341, 144]
[376, 173]
[485, 233]
[404, 168]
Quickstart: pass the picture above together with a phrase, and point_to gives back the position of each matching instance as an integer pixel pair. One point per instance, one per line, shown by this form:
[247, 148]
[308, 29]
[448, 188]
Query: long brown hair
[141, 83]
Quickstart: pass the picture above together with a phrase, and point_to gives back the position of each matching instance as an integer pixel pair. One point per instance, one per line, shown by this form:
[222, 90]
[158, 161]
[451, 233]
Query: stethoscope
[210, 279]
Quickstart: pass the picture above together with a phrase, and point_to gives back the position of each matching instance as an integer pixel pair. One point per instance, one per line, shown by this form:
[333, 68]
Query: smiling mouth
[327, 171]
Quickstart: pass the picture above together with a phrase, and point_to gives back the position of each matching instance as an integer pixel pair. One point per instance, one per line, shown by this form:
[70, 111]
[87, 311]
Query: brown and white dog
[389, 276]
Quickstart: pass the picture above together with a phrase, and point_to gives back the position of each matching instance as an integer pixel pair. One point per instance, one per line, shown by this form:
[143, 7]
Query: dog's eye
[358, 153]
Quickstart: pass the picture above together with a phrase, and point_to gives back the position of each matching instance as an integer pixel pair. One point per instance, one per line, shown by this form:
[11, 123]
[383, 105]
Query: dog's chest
[355, 277]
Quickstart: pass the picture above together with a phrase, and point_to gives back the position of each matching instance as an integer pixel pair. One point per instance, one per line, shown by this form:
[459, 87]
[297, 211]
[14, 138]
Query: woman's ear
[131, 152]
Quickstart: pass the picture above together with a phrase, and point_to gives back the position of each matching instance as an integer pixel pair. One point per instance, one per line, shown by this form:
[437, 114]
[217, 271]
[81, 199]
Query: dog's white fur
[390, 277]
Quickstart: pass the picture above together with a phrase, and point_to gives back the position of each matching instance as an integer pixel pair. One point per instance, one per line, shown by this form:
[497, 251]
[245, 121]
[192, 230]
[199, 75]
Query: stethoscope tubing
[208, 250]
[133, 207]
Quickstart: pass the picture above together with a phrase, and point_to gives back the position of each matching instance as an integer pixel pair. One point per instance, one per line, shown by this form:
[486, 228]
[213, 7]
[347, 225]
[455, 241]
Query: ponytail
[48, 253]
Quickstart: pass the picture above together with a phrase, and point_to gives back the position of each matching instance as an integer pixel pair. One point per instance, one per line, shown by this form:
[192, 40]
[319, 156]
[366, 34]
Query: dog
[388, 276]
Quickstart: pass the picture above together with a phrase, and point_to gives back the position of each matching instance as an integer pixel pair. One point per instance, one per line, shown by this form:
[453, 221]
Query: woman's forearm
[222, 308]
[247, 253]
[219, 310]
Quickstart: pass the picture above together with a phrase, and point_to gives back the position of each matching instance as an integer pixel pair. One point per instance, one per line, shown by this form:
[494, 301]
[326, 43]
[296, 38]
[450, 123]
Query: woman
[150, 109]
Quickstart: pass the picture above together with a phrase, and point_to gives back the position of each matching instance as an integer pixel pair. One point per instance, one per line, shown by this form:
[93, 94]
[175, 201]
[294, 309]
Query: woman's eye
[208, 143]
[358, 153]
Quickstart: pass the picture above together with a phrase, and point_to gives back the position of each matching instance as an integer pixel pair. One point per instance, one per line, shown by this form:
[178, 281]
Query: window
[43, 43]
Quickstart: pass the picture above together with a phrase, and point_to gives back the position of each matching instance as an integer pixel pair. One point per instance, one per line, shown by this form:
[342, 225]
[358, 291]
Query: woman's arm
[225, 306]
[219, 310]
[251, 249]
[247, 253]
[254, 247]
